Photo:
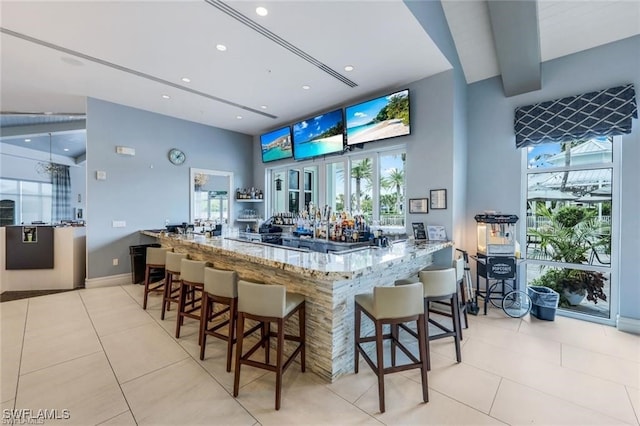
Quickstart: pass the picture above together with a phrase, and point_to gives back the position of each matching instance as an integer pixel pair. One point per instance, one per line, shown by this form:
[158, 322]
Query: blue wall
[494, 166]
[145, 190]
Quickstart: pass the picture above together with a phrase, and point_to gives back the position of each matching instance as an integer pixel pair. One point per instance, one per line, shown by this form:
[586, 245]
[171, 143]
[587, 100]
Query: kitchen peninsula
[328, 281]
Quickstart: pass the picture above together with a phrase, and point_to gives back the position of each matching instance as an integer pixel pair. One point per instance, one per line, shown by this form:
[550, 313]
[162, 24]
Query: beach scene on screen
[276, 145]
[380, 118]
[320, 135]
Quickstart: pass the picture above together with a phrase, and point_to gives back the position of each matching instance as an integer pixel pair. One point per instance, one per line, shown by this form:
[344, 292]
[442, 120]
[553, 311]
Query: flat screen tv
[320, 135]
[276, 145]
[380, 118]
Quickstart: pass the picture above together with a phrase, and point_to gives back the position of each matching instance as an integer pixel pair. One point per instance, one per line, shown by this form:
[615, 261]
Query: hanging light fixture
[49, 168]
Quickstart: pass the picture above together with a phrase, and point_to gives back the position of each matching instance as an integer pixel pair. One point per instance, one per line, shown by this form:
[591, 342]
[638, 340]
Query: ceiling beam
[42, 129]
[517, 39]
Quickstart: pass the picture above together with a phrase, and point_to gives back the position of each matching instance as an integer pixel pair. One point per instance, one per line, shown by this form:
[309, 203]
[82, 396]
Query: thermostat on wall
[125, 150]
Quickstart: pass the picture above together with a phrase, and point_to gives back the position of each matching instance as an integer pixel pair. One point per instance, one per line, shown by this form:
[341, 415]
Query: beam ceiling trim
[517, 39]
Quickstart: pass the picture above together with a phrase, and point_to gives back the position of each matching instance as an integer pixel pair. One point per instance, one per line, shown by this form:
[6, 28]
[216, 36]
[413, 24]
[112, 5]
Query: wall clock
[176, 156]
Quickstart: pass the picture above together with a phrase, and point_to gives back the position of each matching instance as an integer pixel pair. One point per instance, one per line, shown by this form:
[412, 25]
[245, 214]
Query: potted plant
[569, 236]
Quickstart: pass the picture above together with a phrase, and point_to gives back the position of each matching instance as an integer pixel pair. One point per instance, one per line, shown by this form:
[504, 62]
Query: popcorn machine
[496, 255]
[496, 234]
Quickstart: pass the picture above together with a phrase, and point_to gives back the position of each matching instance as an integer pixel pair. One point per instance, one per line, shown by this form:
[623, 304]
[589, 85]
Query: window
[569, 223]
[372, 185]
[32, 200]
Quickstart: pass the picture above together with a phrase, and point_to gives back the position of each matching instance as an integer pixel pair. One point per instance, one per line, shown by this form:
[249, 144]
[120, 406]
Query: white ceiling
[160, 42]
[54, 54]
[565, 27]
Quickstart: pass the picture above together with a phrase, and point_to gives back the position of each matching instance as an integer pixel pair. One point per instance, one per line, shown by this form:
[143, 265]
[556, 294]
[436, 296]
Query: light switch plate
[101, 175]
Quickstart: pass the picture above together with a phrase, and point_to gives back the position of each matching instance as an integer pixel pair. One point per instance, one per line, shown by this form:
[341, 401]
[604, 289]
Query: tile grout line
[156, 321]
[108, 360]
[637, 414]
[24, 333]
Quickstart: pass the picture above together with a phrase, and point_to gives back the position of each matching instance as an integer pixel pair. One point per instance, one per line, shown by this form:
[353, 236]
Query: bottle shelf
[249, 200]
[246, 220]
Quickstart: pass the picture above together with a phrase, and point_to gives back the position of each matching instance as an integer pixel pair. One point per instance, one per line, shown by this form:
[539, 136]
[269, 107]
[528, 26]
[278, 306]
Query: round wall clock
[176, 156]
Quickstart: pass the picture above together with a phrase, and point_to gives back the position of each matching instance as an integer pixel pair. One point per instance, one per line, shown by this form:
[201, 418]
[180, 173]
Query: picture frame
[418, 205]
[419, 233]
[438, 199]
[436, 233]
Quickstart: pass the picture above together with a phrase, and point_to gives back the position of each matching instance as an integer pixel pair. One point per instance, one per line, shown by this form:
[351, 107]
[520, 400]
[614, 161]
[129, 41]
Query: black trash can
[138, 255]
[544, 302]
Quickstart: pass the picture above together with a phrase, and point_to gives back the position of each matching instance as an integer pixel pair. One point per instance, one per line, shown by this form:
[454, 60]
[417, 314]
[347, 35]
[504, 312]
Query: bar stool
[191, 280]
[155, 265]
[172, 272]
[438, 285]
[393, 306]
[220, 287]
[458, 265]
[267, 304]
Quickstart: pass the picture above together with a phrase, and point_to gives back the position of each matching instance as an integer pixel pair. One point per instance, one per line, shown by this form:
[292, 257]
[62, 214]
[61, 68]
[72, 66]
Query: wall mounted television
[380, 118]
[320, 135]
[276, 145]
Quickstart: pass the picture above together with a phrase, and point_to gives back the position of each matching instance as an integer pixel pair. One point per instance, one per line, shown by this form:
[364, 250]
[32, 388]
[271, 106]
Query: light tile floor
[97, 354]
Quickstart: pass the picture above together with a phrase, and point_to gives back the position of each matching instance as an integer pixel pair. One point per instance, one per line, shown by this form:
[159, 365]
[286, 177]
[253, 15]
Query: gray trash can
[544, 302]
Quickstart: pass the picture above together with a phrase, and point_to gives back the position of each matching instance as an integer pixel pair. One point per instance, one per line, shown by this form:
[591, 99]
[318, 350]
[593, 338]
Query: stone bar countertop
[328, 282]
[351, 265]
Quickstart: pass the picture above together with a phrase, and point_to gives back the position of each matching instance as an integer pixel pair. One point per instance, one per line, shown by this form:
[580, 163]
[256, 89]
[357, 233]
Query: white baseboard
[630, 325]
[110, 281]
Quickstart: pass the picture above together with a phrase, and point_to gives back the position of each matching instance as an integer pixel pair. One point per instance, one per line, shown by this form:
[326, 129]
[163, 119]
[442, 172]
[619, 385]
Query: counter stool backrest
[458, 264]
[398, 302]
[221, 283]
[174, 261]
[192, 271]
[262, 300]
[156, 255]
[438, 282]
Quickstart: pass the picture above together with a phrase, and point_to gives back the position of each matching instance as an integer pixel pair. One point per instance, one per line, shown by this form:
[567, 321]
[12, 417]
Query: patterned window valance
[603, 113]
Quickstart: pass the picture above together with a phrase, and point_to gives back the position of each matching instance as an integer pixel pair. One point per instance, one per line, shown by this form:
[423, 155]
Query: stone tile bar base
[328, 287]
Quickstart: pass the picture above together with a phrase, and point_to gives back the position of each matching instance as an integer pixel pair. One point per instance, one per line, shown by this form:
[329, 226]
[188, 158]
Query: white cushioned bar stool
[191, 281]
[269, 303]
[220, 287]
[393, 306]
[458, 265]
[439, 285]
[155, 266]
[172, 274]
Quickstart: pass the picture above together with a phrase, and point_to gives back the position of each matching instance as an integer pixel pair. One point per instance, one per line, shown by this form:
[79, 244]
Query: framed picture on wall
[418, 205]
[438, 198]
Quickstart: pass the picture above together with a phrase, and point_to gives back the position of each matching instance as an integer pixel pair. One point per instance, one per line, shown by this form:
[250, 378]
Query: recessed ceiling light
[239, 117]
[66, 149]
[305, 87]
[166, 97]
[262, 11]
[348, 68]
[221, 47]
[263, 106]
[186, 79]
[27, 140]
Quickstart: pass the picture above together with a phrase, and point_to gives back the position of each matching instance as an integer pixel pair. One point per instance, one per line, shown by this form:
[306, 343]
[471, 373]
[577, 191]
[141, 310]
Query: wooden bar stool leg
[166, 293]
[240, 334]
[267, 335]
[356, 352]
[233, 312]
[205, 313]
[380, 365]
[423, 338]
[279, 349]
[181, 307]
[426, 324]
[302, 316]
[147, 278]
[457, 327]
